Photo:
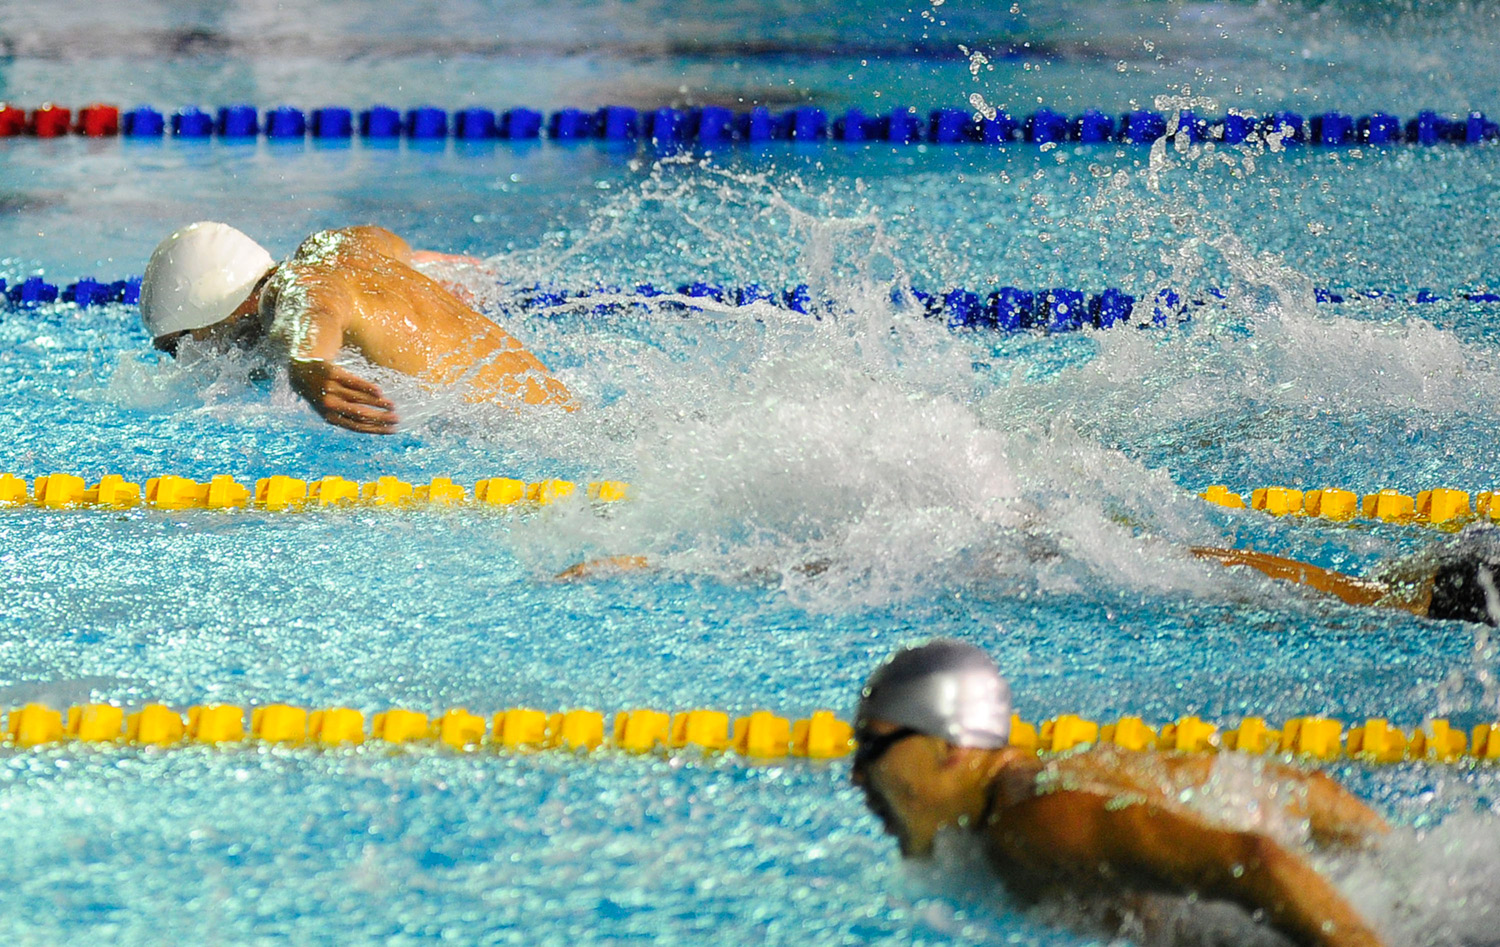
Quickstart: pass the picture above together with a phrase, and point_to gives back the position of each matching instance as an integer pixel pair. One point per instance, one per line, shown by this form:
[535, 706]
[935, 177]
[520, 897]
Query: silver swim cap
[945, 689]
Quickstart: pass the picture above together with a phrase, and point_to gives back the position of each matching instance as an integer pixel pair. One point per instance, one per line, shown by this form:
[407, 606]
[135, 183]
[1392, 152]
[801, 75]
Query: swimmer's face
[892, 766]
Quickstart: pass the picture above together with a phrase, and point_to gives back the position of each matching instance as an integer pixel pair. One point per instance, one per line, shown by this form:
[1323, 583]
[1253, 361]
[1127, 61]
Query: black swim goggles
[870, 747]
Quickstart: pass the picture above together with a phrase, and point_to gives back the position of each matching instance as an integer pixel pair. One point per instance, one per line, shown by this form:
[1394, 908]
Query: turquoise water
[1032, 494]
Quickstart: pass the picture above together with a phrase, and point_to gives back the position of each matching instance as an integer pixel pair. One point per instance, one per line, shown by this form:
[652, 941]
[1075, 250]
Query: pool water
[1032, 494]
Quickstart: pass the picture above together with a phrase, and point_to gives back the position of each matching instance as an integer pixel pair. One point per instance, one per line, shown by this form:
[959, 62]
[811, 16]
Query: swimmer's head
[198, 277]
[1466, 586]
[944, 689]
[928, 720]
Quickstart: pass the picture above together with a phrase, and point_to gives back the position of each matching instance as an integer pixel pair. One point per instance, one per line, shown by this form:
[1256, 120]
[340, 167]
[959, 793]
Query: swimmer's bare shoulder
[379, 240]
[321, 281]
[364, 259]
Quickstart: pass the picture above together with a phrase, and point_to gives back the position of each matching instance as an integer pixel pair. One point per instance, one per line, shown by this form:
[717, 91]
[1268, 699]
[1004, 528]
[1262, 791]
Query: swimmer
[352, 289]
[1455, 580]
[932, 730]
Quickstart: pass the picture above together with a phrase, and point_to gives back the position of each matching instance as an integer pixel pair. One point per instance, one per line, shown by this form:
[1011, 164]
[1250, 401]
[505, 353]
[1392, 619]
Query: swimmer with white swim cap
[932, 728]
[351, 289]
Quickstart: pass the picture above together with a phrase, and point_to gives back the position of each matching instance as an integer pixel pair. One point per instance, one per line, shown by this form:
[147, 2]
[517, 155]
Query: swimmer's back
[358, 283]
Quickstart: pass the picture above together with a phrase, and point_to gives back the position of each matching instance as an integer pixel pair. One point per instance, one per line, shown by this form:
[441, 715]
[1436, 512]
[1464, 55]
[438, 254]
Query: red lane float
[50, 121]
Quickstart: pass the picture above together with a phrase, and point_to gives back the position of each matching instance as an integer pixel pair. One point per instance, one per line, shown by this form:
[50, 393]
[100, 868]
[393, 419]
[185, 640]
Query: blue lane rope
[715, 125]
[1008, 309]
[35, 291]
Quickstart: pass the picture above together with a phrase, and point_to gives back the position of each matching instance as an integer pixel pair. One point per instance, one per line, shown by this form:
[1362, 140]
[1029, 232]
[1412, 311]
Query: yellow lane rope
[760, 735]
[1441, 507]
[282, 493]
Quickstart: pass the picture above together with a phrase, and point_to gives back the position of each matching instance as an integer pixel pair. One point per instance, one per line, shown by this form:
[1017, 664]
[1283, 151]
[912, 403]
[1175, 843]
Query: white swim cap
[945, 689]
[198, 276]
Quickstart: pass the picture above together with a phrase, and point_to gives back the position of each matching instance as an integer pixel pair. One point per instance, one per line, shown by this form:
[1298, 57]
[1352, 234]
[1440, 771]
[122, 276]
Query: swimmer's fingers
[1229, 557]
[342, 398]
[349, 386]
[358, 407]
[359, 427]
[357, 417]
[315, 379]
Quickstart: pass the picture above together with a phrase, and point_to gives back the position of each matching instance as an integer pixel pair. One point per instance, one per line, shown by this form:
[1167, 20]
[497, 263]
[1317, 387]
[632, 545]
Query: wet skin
[1108, 821]
[356, 289]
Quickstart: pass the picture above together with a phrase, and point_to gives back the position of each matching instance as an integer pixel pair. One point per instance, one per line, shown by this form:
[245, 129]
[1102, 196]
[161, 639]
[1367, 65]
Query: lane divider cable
[759, 735]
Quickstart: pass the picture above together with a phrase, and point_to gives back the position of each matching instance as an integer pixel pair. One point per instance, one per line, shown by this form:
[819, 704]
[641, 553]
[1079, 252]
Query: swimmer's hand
[609, 565]
[342, 398]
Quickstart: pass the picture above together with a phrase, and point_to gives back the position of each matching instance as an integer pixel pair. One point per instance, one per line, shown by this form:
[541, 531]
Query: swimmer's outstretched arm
[1335, 816]
[1352, 590]
[1083, 833]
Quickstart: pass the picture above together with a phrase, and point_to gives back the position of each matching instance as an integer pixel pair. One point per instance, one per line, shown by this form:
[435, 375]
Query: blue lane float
[380, 122]
[333, 123]
[1007, 309]
[35, 291]
[711, 126]
[237, 122]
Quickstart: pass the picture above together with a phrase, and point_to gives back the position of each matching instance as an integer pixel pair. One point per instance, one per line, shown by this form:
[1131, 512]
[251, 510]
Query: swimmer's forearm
[1335, 816]
[1297, 900]
[1249, 868]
